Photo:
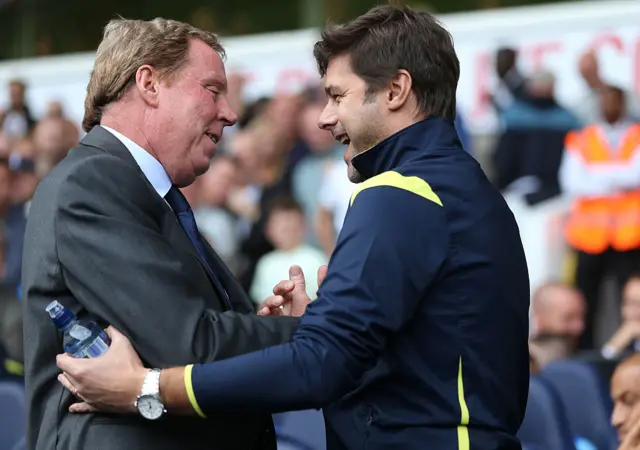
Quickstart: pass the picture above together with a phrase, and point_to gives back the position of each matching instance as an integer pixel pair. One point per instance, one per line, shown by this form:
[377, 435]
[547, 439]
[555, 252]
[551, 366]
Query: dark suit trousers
[591, 271]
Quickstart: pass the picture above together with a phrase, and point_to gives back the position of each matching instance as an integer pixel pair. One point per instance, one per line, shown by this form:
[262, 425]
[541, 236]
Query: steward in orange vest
[608, 221]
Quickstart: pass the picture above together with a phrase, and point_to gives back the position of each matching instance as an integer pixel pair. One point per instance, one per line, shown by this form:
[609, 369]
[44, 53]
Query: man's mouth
[343, 139]
[215, 139]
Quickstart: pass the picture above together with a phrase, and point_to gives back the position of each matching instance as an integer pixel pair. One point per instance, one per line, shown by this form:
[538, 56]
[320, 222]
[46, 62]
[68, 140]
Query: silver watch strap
[151, 383]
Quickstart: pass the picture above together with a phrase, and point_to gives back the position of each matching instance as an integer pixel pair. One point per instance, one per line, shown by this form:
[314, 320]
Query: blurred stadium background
[531, 71]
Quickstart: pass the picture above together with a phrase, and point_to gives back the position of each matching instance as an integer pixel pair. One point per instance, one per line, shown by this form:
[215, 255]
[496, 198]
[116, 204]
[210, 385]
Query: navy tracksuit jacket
[418, 338]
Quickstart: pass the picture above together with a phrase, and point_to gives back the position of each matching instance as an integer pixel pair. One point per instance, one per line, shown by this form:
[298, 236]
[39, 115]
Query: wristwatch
[149, 404]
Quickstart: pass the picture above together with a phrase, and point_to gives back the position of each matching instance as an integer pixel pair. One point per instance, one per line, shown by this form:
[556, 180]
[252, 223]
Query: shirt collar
[151, 167]
[407, 144]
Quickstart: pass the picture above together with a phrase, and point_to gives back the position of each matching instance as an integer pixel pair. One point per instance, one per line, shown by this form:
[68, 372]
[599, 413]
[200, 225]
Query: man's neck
[128, 128]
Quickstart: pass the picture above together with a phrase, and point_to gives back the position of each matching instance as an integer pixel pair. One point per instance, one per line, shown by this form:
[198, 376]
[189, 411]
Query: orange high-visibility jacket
[597, 223]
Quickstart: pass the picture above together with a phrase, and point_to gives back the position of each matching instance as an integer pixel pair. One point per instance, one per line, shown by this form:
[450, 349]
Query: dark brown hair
[284, 203]
[389, 38]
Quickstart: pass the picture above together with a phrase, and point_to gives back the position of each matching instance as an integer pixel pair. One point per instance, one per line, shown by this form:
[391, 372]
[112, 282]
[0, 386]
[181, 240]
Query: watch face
[150, 407]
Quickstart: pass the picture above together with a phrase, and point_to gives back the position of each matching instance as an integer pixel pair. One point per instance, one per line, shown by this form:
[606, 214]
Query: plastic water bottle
[80, 340]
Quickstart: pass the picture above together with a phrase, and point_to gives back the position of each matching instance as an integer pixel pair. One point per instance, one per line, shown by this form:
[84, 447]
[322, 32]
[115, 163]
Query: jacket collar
[101, 139]
[407, 144]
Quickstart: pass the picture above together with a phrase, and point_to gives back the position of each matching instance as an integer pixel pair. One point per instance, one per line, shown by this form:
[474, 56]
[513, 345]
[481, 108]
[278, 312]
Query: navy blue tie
[185, 216]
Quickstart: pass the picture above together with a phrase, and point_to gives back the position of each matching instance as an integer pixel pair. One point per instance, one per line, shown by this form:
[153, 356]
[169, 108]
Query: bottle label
[98, 347]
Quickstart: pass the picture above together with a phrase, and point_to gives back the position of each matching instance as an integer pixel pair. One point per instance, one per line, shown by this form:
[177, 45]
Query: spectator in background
[17, 121]
[309, 172]
[286, 229]
[548, 348]
[625, 393]
[528, 154]
[55, 110]
[600, 170]
[588, 109]
[23, 183]
[269, 180]
[334, 196]
[11, 348]
[53, 137]
[510, 80]
[626, 339]
[558, 310]
[215, 220]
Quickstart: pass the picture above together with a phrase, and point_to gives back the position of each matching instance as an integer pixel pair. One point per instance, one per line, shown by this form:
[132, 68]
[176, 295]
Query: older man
[112, 237]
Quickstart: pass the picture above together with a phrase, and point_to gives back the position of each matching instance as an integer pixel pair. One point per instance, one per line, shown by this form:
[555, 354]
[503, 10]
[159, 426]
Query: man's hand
[290, 296]
[111, 382]
[624, 337]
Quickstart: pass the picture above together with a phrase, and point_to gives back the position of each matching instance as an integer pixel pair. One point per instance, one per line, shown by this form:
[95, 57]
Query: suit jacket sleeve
[122, 269]
[390, 250]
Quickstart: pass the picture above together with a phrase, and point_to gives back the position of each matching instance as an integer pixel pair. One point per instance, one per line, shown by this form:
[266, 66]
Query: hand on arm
[112, 382]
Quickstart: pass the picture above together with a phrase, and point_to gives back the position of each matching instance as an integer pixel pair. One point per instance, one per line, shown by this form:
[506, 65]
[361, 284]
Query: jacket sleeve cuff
[188, 384]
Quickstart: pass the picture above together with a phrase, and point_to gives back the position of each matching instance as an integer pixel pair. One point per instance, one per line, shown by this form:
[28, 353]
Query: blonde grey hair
[128, 44]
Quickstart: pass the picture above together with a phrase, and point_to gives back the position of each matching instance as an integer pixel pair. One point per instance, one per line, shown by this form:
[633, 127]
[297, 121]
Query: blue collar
[409, 143]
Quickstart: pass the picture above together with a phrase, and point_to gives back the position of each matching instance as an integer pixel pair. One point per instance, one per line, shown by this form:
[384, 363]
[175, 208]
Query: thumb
[322, 273]
[81, 408]
[297, 276]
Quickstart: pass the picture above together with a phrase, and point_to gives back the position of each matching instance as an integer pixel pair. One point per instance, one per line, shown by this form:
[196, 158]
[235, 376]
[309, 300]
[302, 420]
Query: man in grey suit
[111, 237]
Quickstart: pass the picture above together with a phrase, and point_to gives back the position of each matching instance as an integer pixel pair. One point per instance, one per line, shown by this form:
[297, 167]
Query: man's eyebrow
[331, 90]
[216, 82]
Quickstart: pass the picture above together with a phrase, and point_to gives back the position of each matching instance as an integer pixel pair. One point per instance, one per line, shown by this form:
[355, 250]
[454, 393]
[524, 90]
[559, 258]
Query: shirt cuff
[608, 352]
[190, 393]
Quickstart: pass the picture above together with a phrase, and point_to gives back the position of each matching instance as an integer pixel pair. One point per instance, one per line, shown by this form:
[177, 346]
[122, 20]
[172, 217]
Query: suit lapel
[238, 297]
[104, 141]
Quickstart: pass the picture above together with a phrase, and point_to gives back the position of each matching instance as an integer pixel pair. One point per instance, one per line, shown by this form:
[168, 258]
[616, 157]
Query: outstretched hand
[290, 296]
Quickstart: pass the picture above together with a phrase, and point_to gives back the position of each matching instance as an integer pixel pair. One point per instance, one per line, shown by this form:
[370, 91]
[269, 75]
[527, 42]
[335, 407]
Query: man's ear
[399, 90]
[147, 84]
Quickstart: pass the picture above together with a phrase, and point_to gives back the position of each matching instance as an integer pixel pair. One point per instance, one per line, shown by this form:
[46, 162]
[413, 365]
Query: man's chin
[354, 175]
[621, 436]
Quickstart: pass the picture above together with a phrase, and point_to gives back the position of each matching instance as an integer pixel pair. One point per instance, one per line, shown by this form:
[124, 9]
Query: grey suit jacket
[101, 241]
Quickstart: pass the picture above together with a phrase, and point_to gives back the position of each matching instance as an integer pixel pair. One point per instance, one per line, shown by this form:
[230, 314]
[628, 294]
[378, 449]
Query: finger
[322, 274]
[275, 301]
[83, 407]
[72, 385]
[66, 381]
[284, 287]
[266, 311]
[69, 364]
[297, 276]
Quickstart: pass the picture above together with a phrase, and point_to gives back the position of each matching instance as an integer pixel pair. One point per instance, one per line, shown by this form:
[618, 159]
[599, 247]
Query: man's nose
[328, 118]
[617, 418]
[227, 115]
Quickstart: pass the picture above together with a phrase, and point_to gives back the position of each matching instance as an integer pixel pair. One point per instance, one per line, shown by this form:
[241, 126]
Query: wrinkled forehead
[626, 378]
[206, 65]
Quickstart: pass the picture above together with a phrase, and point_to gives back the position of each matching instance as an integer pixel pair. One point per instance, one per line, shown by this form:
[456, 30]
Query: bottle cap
[60, 315]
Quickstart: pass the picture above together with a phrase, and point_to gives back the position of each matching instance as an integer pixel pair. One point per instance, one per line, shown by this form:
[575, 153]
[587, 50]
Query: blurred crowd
[587, 154]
